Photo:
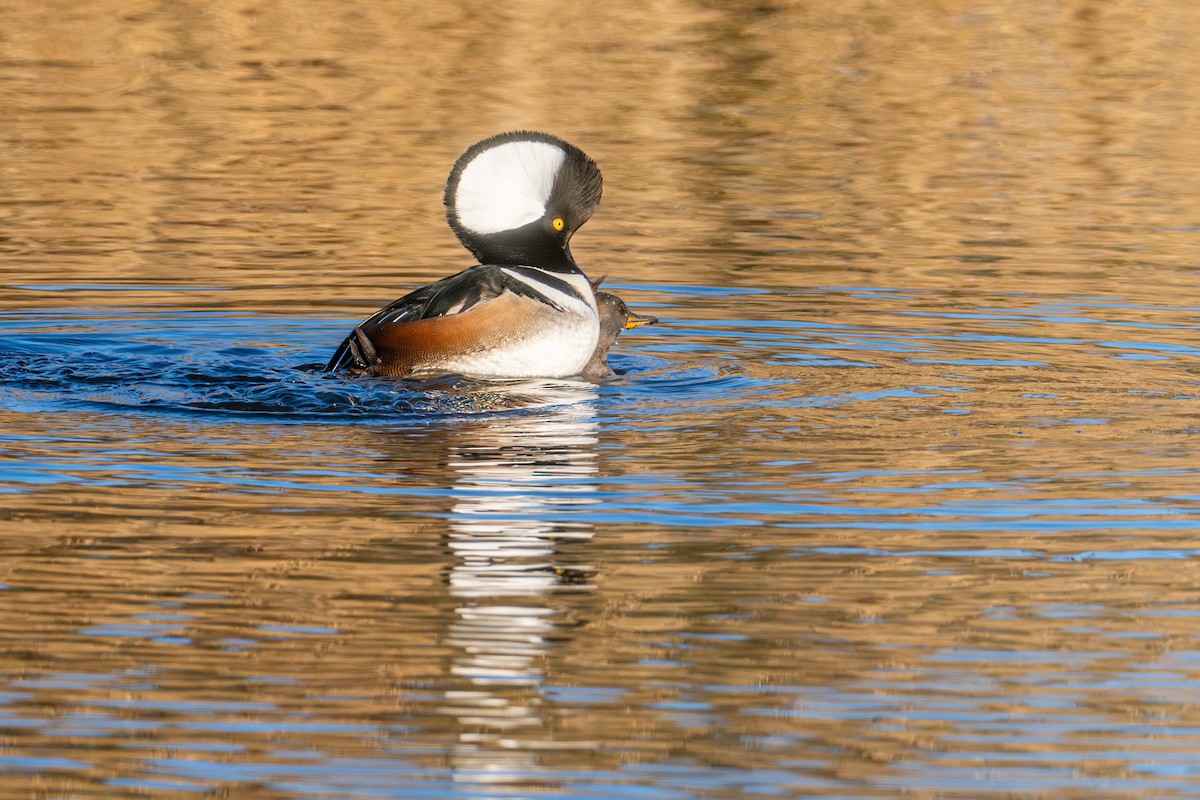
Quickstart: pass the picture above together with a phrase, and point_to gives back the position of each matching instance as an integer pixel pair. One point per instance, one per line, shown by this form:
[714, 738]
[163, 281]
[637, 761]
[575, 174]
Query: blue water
[788, 539]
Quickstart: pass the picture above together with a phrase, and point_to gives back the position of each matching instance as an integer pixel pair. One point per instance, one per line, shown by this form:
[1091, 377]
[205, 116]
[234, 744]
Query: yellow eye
[558, 223]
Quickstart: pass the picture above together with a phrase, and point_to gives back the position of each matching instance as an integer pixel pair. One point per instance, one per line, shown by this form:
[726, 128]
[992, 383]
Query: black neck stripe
[543, 276]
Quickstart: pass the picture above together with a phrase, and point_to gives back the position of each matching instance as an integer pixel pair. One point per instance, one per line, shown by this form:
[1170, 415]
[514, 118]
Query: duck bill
[638, 320]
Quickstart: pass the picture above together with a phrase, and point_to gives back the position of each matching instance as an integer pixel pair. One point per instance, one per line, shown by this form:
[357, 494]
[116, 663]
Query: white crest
[507, 186]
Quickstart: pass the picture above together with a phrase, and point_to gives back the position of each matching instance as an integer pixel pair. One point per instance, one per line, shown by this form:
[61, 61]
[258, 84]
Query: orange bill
[638, 320]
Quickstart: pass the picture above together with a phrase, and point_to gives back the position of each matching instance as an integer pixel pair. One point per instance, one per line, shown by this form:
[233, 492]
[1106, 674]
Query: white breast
[558, 349]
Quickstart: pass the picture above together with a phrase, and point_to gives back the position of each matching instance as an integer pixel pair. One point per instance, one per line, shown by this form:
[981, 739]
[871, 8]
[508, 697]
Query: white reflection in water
[515, 479]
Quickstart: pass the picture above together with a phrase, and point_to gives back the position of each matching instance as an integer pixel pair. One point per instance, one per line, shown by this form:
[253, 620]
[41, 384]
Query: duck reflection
[518, 481]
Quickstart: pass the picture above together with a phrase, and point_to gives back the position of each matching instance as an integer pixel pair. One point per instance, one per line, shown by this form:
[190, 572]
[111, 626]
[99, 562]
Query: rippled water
[899, 499]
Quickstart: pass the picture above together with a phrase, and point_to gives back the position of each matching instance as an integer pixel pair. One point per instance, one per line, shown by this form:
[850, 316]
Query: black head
[517, 198]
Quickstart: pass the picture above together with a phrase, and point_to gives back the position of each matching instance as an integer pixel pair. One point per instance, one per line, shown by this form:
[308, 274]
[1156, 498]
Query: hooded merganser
[615, 317]
[527, 310]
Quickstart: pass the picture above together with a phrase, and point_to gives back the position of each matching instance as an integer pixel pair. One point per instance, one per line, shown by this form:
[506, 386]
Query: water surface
[900, 499]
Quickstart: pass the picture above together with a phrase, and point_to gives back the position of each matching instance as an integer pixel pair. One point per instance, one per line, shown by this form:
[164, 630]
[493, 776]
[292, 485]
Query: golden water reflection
[900, 497]
[513, 480]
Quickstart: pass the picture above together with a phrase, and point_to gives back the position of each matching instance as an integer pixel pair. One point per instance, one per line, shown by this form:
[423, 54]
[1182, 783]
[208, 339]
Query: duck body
[493, 320]
[527, 309]
[615, 317]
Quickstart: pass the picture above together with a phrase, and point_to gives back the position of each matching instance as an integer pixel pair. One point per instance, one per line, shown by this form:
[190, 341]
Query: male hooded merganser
[615, 317]
[527, 310]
